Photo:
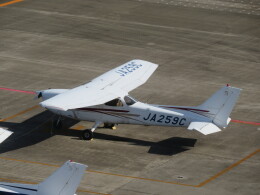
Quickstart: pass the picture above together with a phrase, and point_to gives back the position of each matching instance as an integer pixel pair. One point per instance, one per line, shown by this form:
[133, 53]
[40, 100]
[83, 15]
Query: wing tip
[52, 107]
[144, 62]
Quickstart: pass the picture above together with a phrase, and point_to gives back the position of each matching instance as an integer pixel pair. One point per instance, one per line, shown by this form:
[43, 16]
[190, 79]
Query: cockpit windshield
[129, 100]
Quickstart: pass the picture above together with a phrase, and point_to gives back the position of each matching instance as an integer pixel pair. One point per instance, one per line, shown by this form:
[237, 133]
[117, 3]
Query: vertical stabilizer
[63, 181]
[221, 104]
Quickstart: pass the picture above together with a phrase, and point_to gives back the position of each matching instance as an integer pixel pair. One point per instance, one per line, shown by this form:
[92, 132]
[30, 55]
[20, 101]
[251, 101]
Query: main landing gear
[110, 126]
[88, 134]
[57, 123]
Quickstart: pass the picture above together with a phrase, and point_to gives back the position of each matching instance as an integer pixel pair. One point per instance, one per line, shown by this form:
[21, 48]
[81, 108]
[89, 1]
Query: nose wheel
[87, 134]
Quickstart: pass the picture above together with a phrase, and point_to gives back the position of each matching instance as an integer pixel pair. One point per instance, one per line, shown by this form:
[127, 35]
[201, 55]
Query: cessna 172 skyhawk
[105, 100]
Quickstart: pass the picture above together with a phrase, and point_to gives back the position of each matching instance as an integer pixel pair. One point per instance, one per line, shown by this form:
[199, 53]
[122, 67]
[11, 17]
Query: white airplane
[63, 181]
[4, 134]
[105, 99]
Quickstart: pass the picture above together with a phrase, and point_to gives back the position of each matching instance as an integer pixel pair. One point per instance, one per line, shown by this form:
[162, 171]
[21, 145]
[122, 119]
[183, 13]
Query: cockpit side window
[114, 102]
[129, 100]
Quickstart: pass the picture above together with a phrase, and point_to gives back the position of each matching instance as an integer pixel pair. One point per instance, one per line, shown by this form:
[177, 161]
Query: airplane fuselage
[105, 100]
[138, 113]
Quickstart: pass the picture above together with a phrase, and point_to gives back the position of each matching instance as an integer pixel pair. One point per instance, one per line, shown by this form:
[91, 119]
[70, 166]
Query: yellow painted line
[147, 179]
[78, 127]
[16, 181]
[20, 113]
[99, 172]
[141, 178]
[227, 169]
[10, 2]
[31, 162]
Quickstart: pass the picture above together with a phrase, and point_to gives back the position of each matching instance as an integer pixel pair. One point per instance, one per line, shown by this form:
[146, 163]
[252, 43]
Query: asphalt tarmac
[200, 46]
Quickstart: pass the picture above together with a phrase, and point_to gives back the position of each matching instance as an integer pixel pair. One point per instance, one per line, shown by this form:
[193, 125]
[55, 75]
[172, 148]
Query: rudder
[221, 104]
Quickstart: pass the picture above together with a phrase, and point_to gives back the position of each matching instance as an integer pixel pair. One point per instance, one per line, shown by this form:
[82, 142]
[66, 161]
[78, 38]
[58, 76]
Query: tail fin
[63, 181]
[221, 104]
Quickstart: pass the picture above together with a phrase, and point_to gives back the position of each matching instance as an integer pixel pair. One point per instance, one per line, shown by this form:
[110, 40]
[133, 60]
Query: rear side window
[129, 100]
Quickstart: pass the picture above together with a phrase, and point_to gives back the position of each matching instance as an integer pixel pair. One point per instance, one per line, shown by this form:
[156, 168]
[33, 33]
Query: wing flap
[204, 127]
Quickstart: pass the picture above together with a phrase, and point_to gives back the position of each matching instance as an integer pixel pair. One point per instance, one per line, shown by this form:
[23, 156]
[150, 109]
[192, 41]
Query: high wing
[110, 85]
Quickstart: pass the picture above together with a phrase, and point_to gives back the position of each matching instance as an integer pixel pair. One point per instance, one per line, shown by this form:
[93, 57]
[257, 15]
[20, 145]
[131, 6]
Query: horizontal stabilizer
[204, 127]
[4, 134]
[63, 181]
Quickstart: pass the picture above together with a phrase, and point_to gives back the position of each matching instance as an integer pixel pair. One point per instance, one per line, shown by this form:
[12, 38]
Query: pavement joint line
[99, 172]
[20, 113]
[154, 180]
[10, 2]
[138, 23]
[141, 178]
[227, 169]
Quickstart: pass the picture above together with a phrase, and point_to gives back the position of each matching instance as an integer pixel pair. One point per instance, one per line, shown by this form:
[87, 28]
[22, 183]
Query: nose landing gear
[57, 123]
[88, 134]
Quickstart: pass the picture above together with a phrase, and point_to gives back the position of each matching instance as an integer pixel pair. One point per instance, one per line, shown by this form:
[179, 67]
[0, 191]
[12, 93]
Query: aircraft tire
[87, 134]
[109, 125]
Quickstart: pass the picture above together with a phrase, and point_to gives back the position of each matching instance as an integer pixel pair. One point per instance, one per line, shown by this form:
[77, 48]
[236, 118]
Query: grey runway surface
[199, 45]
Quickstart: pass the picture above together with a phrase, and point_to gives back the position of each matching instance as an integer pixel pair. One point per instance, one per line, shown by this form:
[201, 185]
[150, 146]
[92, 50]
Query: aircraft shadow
[170, 146]
[31, 131]
[39, 128]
